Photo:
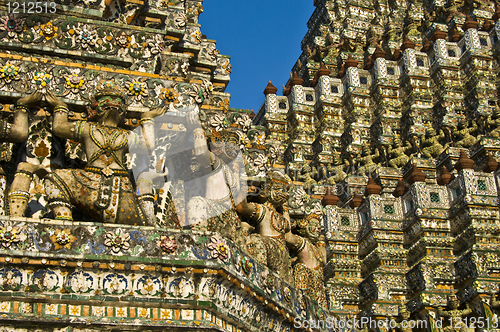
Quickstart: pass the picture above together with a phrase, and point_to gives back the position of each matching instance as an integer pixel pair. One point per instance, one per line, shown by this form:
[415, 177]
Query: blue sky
[262, 37]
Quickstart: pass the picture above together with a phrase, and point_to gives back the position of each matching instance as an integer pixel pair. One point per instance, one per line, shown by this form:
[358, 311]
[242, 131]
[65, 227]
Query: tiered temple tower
[95, 276]
[405, 94]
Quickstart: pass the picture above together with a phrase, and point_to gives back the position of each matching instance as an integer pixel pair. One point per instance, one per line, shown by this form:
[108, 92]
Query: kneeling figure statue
[103, 188]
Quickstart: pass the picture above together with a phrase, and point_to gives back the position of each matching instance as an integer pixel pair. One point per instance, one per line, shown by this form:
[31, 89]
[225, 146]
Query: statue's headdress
[279, 178]
[107, 89]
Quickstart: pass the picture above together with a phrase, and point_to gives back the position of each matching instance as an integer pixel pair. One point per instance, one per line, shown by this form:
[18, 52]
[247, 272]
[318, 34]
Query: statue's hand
[154, 113]
[53, 101]
[247, 228]
[32, 99]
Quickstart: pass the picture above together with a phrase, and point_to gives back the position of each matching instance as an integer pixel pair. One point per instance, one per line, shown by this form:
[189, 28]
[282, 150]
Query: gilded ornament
[9, 72]
[170, 95]
[137, 89]
[48, 30]
[41, 79]
[62, 238]
[75, 82]
[9, 235]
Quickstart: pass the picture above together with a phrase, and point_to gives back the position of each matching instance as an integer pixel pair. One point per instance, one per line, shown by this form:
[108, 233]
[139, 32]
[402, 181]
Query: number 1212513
[31, 7]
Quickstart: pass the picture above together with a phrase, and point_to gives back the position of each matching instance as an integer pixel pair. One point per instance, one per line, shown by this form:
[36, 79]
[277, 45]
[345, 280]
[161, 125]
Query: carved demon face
[111, 104]
[454, 303]
[310, 227]
[276, 191]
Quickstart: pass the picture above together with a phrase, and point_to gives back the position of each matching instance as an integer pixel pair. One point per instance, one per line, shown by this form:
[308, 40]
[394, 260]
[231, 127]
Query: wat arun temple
[135, 198]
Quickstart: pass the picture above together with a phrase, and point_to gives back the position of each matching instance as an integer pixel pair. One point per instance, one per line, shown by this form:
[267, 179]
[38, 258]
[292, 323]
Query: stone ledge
[48, 263]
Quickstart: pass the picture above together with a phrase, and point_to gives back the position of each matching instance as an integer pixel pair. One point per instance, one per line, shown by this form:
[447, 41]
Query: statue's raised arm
[17, 132]
[61, 126]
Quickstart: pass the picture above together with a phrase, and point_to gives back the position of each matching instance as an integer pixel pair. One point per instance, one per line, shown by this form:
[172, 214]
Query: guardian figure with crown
[103, 188]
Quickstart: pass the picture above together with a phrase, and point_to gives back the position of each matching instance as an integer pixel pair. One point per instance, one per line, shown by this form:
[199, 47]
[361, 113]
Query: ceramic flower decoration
[62, 238]
[117, 241]
[9, 235]
[219, 249]
[167, 244]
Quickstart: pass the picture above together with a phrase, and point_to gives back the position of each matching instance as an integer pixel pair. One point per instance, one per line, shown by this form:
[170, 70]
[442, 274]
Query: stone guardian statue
[103, 188]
